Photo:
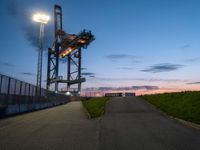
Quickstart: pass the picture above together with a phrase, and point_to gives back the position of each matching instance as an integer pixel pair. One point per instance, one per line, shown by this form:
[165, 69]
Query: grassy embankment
[95, 106]
[183, 105]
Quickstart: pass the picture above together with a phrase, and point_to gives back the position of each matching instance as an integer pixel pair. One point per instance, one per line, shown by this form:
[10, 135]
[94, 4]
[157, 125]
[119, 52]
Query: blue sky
[138, 42]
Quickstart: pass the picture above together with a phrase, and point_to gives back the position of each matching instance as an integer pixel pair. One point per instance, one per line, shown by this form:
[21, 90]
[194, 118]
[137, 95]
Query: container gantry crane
[68, 46]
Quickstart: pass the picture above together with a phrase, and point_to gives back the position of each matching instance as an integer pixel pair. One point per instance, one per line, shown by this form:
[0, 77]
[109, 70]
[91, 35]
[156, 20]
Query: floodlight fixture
[41, 18]
[68, 93]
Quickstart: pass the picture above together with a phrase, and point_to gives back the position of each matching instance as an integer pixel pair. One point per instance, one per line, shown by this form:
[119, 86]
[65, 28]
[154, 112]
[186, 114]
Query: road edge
[181, 121]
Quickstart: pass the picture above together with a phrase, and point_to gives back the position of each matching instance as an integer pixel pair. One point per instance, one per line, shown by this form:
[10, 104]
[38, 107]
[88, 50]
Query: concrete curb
[183, 122]
[187, 123]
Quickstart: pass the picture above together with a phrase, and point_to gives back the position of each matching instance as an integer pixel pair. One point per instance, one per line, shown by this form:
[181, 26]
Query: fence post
[32, 90]
[8, 90]
[25, 89]
[1, 82]
[20, 89]
[15, 87]
[28, 89]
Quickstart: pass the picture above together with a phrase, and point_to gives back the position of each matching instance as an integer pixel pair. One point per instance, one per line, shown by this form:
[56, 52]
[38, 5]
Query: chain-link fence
[17, 96]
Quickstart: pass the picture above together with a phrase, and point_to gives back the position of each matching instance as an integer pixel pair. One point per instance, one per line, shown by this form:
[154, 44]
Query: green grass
[95, 106]
[183, 105]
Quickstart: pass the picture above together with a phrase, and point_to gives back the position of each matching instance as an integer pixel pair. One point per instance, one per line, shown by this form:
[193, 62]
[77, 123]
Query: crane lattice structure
[66, 46]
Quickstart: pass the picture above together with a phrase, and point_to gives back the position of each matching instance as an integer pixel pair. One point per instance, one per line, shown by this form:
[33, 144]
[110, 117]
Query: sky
[146, 46]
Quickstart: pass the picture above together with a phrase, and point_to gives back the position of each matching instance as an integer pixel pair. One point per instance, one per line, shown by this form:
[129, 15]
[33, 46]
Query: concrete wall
[14, 104]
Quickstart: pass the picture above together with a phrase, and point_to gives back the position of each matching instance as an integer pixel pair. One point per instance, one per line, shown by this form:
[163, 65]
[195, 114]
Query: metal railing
[11, 86]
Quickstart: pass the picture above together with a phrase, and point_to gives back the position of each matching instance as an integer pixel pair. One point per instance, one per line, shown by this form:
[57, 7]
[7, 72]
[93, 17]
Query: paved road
[133, 124]
[129, 124]
[64, 127]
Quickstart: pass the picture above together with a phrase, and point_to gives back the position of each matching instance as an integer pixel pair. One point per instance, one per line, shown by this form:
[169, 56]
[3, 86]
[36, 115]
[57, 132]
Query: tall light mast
[42, 19]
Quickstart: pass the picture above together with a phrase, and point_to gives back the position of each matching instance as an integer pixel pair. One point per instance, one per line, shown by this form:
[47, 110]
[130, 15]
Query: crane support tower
[66, 46]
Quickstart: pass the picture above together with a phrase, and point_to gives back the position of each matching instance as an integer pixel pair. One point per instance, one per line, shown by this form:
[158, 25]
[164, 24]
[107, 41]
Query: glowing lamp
[42, 18]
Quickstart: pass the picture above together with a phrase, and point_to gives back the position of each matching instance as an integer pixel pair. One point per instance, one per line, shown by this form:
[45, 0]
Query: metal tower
[53, 53]
[39, 65]
[42, 19]
[66, 46]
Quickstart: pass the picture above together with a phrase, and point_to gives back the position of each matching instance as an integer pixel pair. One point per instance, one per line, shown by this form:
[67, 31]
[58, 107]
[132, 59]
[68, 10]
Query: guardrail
[18, 96]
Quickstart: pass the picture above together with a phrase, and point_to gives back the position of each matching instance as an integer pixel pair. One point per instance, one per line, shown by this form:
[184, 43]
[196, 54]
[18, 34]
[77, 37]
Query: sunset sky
[141, 45]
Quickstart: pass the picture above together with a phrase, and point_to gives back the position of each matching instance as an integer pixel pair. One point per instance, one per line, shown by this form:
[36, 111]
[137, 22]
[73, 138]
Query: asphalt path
[128, 124]
[133, 124]
[65, 127]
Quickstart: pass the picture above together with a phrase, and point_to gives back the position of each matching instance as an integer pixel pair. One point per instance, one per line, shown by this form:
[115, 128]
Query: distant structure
[66, 46]
[119, 94]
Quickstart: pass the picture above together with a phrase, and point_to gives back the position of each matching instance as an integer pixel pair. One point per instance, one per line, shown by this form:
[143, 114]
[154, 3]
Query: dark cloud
[125, 68]
[83, 68]
[140, 79]
[193, 83]
[22, 13]
[186, 46]
[165, 67]
[6, 64]
[88, 74]
[28, 74]
[92, 76]
[121, 57]
[195, 59]
[145, 87]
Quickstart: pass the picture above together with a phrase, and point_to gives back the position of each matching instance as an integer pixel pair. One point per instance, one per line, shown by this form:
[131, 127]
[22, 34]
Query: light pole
[42, 19]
